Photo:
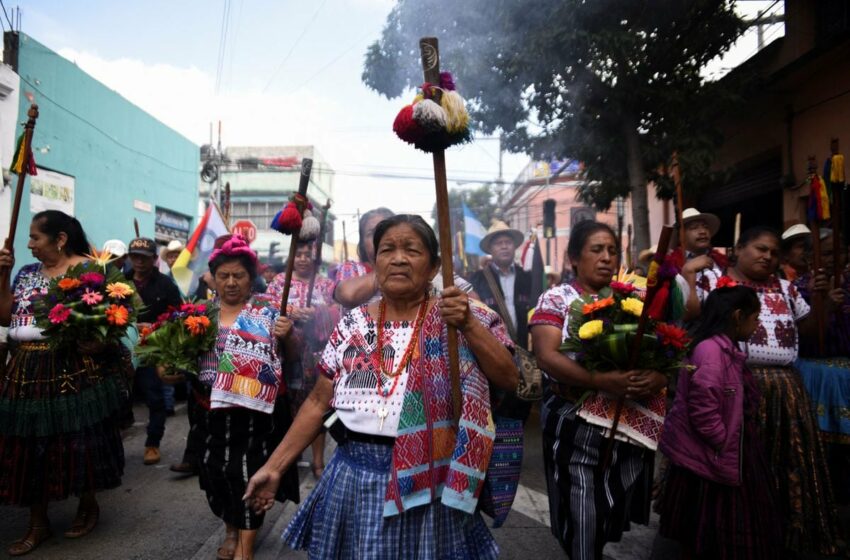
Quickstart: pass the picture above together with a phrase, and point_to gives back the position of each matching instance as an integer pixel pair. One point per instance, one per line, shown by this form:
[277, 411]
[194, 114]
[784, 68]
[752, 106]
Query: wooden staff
[226, 204]
[344, 243]
[737, 229]
[838, 254]
[318, 260]
[652, 286]
[300, 201]
[29, 127]
[629, 248]
[817, 297]
[136, 227]
[680, 199]
[430, 53]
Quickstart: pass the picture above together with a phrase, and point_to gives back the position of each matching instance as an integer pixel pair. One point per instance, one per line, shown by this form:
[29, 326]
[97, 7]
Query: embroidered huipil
[775, 341]
[431, 459]
[29, 285]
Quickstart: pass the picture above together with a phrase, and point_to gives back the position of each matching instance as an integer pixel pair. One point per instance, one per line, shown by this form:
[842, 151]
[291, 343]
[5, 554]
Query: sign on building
[51, 190]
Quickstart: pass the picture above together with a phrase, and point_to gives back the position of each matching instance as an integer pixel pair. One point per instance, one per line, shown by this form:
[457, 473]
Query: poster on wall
[50, 190]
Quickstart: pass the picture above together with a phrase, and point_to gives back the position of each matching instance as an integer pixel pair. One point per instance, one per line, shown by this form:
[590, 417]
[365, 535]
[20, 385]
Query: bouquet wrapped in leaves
[602, 329]
[88, 303]
[600, 335]
[179, 337]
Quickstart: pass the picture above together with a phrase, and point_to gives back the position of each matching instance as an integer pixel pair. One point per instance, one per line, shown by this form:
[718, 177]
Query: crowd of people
[753, 438]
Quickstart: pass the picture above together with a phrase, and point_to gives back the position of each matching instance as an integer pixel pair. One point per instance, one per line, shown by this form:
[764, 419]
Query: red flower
[622, 288]
[726, 282]
[671, 335]
[59, 314]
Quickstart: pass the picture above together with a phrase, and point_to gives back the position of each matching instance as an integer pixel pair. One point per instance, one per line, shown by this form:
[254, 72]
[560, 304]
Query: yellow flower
[118, 290]
[633, 306]
[591, 329]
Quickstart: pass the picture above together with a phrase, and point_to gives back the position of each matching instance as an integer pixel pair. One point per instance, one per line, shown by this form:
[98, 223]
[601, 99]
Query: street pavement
[157, 514]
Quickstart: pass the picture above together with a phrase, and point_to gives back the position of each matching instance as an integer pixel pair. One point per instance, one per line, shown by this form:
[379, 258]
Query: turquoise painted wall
[117, 152]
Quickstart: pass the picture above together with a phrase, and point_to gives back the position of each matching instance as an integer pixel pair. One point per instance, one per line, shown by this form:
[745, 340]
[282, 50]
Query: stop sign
[246, 229]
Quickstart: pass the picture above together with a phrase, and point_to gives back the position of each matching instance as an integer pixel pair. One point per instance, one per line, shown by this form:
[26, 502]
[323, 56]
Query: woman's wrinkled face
[232, 283]
[759, 258]
[304, 261]
[369, 236]
[597, 262]
[403, 263]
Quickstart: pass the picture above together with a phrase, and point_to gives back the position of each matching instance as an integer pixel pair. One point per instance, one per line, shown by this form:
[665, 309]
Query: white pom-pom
[429, 115]
[310, 227]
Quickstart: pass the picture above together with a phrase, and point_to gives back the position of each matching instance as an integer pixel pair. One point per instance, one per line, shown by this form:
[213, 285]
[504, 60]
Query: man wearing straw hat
[697, 257]
[502, 285]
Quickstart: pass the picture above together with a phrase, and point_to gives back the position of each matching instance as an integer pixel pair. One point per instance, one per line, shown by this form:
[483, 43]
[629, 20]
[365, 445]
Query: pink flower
[92, 278]
[91, 298]
[201, 308]
[59, 314]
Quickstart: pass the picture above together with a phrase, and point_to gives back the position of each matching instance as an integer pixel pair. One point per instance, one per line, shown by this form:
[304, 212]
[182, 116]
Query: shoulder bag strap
[500, 301]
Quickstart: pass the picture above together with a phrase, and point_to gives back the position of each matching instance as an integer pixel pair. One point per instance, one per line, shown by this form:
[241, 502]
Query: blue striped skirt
[343, 517]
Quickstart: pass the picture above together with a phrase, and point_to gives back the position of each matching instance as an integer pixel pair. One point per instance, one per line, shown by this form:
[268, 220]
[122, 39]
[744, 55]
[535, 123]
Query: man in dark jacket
[158, 292]
[512, 283]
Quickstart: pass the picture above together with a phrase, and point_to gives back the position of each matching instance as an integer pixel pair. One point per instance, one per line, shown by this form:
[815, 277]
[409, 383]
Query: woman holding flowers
[60, 396]
[589, 506]
[314, 320]
[786, 418]
[243, 412]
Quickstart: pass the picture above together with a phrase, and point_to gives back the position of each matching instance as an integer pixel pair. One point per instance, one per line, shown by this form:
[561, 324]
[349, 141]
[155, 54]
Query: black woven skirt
[59, 424]
[236, 443]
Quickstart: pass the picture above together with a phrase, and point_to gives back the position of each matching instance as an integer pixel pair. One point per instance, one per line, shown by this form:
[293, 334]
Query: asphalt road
[156, 514]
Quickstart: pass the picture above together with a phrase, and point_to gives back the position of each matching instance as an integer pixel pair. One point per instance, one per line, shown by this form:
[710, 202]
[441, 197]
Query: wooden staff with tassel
[818, 209]
[300, 205]
[136, 227]
[430, 54]
[652, 286]
[680, 200]
[318, 260]
[22, 165]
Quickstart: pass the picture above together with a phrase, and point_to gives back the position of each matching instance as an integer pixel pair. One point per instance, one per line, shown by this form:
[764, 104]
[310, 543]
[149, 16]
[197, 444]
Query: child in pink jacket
[718, 500]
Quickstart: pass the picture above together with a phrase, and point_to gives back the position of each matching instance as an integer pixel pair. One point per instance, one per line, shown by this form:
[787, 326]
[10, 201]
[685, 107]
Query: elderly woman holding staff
[406, 480]
[589, 505]
[243, 412]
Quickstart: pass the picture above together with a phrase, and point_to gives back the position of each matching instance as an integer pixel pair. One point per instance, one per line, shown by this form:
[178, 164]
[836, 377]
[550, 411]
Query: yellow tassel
[457, 119]
[836, 169]
[20, 157]
[417, 99]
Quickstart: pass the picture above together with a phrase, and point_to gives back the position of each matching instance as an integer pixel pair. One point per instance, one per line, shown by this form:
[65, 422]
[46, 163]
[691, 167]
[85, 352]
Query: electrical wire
[222, 45]
[348, 50]
[2, 5]
[295, 44]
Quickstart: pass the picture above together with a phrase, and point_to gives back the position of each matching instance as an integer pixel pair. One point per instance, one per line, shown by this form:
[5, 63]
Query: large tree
[613, 83]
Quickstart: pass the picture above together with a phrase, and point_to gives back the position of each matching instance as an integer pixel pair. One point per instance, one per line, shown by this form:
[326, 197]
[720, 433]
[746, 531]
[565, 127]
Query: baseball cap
[115, 247]
[142, 246]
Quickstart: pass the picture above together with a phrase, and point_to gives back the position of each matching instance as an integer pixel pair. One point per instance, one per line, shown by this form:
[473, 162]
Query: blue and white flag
[474, 232]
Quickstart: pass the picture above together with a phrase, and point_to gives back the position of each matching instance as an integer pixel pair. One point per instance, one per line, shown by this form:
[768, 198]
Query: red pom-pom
[288, 220]
[405, 127]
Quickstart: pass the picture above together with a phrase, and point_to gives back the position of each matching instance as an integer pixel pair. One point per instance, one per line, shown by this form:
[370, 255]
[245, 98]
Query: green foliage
[576, 78]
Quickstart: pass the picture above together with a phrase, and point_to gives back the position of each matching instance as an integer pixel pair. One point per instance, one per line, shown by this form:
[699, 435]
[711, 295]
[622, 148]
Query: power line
[222, 45]
[11, 27]
[348, 50]
[295, 44]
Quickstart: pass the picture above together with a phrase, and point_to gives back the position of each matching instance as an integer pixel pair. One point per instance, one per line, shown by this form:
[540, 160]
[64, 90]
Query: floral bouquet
[602, 330]
[179, 337]
[86, 304]
[601, 334]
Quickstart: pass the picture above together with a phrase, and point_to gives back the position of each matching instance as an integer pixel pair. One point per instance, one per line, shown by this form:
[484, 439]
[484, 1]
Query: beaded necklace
[383, 412]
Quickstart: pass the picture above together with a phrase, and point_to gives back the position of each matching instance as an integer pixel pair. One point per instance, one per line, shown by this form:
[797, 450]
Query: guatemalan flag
[474, 232]
[192, 262]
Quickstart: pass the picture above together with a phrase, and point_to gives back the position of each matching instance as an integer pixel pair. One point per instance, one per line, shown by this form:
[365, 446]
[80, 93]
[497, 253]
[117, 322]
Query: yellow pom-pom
[417, 99]
[457, 119]
[591, 329]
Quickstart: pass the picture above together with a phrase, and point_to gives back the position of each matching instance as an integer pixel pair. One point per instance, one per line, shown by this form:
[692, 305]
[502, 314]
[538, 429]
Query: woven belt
[34, 346]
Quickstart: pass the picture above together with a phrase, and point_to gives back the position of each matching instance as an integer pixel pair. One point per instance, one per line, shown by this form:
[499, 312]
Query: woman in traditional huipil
[243, 412]
[588, 506]
[314, 322]
[406, 481]
[356, 282]
[786, 419]
[59, 408]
